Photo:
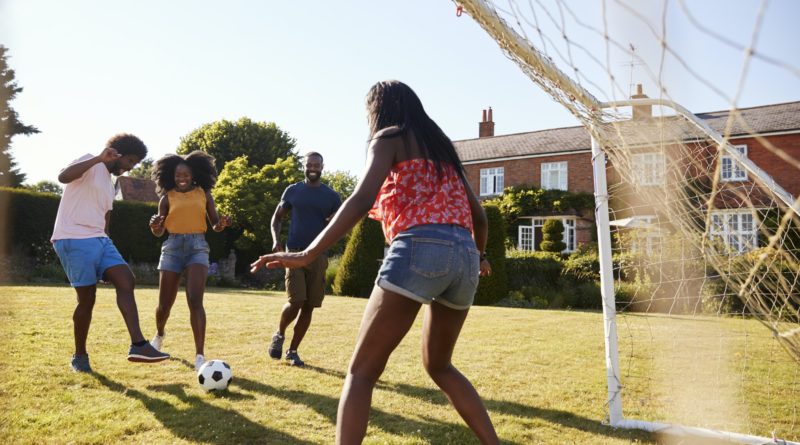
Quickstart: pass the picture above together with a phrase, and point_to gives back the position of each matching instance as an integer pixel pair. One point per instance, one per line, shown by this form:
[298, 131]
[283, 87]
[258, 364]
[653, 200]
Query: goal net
[699, 238]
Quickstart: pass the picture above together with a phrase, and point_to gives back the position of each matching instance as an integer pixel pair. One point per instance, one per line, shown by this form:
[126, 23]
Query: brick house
[560, 158]
[136, 189]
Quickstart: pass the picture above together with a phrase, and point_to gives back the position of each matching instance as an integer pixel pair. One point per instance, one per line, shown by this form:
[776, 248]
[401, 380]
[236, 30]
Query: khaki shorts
[307, 284]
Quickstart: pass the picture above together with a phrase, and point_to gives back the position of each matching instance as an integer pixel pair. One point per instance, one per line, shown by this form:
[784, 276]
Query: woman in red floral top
[437, 232]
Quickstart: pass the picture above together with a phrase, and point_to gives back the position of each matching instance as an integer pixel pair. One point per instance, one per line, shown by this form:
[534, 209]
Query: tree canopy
[262, 142]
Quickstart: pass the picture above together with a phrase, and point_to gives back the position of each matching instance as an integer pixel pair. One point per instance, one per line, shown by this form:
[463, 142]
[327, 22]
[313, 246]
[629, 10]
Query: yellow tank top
[187, 211]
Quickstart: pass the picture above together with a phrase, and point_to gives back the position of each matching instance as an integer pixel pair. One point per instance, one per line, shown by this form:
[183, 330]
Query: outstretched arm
[379, 161]
[75, 171]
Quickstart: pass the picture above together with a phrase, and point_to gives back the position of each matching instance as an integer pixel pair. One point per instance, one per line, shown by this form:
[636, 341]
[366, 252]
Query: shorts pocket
[200, 245]
[431, 257]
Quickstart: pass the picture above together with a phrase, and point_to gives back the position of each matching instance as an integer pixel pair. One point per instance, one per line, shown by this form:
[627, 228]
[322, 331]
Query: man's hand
[486, 268]
[278, 247]
[109, 154]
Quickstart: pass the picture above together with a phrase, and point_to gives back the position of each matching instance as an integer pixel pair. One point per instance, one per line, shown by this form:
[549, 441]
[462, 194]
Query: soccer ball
[214, 375]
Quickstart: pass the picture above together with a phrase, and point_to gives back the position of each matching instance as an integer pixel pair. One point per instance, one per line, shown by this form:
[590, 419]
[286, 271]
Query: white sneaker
[158, 341]
[198, 362]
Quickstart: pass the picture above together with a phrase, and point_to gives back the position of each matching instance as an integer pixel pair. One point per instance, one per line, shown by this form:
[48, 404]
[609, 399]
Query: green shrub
[27, 223]
[330, 273]
[552, 236]
[583, 264]
[494, 288]
[360, 262]
[534, 269]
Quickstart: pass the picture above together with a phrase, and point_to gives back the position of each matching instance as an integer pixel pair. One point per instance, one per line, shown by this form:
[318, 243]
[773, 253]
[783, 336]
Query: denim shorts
[85, 260]
[432, 262]
[181, 250]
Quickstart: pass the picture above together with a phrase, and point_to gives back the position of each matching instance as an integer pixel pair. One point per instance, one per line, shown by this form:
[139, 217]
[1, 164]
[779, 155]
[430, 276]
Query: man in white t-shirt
[80, 239]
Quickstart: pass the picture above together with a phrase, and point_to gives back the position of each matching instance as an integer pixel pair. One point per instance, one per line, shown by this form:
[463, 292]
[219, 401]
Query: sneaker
[198, 362]
[158, 341]
[146, 353]
[276, 347]
[293, 358]
[80, 363]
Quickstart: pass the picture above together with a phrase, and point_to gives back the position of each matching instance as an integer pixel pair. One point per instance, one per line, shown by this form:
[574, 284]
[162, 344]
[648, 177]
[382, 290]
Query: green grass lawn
[541, 375]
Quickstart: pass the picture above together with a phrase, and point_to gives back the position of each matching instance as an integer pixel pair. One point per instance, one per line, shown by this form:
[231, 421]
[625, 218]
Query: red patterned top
[413, 194]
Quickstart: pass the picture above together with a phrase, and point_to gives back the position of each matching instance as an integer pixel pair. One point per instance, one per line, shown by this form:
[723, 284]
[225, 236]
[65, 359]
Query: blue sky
[160, 69]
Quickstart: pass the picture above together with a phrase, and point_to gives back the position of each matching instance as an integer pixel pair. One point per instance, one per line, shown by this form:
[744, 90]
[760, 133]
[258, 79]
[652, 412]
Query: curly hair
[204, 173]
[128, 144]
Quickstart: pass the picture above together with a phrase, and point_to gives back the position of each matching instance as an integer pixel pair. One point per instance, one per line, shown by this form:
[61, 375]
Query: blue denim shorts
[85, 260]
[181, 250]
[432, 262]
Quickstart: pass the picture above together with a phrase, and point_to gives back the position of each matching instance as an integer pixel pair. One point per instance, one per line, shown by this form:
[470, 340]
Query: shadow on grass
[556, 417]
[200, 421]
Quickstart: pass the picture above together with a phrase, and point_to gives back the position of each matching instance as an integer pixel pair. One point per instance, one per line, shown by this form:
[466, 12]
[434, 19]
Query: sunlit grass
[541, 374]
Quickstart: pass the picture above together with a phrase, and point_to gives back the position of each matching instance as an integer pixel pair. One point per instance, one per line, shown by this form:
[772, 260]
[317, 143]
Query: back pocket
[431, 257]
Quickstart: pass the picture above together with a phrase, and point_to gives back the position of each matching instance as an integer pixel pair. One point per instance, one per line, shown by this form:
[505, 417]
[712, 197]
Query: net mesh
[706, 245]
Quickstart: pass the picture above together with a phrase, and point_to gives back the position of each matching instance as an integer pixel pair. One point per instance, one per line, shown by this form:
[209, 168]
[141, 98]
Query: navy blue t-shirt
[310, 207]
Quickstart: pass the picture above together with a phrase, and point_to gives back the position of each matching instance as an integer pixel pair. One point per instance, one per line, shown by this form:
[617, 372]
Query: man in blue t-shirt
[311, 204]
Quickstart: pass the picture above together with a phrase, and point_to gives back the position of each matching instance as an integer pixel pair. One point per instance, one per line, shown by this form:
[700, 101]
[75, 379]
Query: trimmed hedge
[29, 218]
[360, 263]
[494, 288]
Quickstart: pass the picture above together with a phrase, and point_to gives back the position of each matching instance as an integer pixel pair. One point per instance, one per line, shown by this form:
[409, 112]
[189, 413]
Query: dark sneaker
[146, 353]
[80, 363]
[293, 358]
[276, 347]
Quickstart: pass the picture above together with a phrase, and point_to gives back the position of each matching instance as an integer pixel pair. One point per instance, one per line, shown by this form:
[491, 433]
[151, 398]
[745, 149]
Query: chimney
[486, 126]
[641, 111]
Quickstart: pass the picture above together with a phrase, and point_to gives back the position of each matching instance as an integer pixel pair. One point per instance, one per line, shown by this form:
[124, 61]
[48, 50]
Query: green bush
[533, 269]
[330, 273]
[494, 288]
[552, 236]
[583, 264]
[27, 223]
[360, 262]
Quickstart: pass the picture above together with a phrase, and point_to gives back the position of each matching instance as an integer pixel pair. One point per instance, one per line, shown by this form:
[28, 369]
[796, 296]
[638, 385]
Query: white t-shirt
[84, 204]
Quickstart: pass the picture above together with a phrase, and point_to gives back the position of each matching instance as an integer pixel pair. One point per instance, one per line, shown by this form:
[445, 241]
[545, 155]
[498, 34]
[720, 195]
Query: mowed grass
[541, 375]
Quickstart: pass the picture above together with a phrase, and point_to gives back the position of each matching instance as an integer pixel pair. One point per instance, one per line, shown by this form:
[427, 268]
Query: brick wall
[528, 171]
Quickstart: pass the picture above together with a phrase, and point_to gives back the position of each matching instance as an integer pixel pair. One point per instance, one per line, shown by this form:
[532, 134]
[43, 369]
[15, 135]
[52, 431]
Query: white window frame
[736, 229]
[649, 168]
[492, 181]
[647, 240]
[730, 170]
[526, 234]
[560, 169]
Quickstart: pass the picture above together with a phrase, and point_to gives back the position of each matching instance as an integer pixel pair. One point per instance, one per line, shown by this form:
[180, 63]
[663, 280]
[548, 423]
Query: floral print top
[413, 194]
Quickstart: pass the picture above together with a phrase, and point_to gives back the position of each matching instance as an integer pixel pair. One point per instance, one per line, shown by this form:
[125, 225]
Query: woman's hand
[291, 260]
[486, 268]
[157, 222]
[224, 221]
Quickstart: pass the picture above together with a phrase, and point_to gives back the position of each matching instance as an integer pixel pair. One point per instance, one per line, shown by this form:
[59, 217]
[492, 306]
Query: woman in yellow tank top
[184, 184]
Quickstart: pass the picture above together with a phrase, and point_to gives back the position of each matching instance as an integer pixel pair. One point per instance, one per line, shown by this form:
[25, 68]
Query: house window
[530, 237]
[735, 229]
[647, 237]
[491, 181]
[554, 176]
[649, 168]
[732, 170]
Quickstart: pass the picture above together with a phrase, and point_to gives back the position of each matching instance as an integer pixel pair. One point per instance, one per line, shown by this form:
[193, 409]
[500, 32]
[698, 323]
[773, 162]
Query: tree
[341, 182]
[46, 186]
[494, 287]
[552, 236]
[262, 142]
[10, 125]
[143, 170]
[249, 195]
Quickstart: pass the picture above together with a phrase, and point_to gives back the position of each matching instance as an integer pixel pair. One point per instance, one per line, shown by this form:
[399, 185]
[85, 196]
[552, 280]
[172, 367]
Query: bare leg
[288, 314]
[195, 289]
[440, 332]
[387, 318]
[122, 279]
[82, 317]
[300, 328]
[167, 292]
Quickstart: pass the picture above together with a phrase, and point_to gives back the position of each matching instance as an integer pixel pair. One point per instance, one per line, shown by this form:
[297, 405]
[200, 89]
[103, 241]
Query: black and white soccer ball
[215, 375]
